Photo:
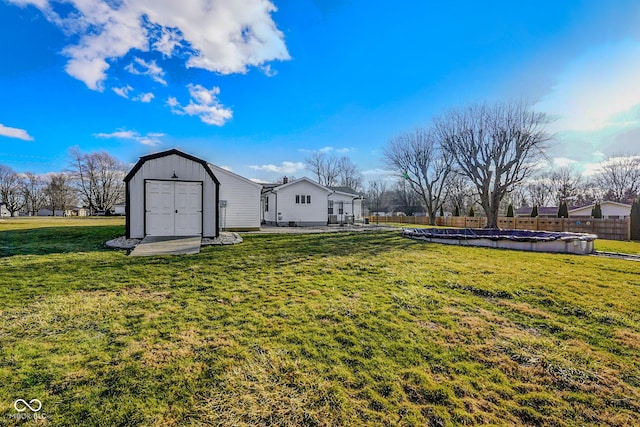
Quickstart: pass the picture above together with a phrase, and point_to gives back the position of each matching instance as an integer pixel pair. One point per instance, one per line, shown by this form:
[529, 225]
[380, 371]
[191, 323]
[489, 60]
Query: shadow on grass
[51, 240]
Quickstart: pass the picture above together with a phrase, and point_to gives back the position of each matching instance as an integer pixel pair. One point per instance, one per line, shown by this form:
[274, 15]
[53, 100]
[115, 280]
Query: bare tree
[324, 167]
[460, 193]
[33, 191]
[496, 146]
[333, 171]
[540, 189]
[348, 174]
[406, 199]
[378, 197]
[418, 158]
[566, 184]
[99, 178]
[10, 190]
[619, 177]
[59, 192]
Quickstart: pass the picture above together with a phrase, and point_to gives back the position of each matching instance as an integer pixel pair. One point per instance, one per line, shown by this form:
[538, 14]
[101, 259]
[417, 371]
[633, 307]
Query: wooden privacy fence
[612, 229]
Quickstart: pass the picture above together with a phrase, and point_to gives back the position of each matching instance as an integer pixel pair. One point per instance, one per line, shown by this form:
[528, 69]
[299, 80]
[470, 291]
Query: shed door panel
[159, 208]
[188, 208]
[173, 208]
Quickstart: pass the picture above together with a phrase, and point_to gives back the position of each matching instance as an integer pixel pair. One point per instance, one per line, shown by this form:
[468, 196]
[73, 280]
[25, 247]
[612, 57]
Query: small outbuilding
[171, 194]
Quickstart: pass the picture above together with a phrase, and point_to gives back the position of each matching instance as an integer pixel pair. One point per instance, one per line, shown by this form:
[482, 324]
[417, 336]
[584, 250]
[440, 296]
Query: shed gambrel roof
[171, 152]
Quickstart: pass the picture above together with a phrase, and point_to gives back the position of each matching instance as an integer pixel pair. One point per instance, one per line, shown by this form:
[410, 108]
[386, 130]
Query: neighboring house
[47, 211]
[77, 211]
[610, 210]
[239, 205]
[120, 209]
[303, 202]
[3, 211]
[172, 194]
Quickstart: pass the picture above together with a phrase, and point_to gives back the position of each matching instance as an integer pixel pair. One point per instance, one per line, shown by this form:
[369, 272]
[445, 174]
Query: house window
[303, 199]
[330, 207]
[340, 208]
[266, 204]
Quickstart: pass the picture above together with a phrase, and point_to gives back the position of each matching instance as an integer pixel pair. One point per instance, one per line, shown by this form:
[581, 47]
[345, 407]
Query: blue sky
[255, 86]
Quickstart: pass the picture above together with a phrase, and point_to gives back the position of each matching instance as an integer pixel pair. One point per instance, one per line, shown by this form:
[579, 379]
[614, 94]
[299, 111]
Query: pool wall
[534, 241]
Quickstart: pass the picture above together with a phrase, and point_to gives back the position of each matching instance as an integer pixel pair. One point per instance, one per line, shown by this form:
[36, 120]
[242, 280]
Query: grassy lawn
[319, 329]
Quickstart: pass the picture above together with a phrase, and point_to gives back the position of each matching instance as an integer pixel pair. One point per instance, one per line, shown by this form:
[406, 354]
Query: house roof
[542, 210]
[171, 152]
[228, 172]
[299, 180]
[345, 190]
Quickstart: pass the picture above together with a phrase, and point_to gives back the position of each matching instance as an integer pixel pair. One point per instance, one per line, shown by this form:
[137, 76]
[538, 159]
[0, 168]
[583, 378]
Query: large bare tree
[60, 193]
[333, 171]
[418, 158]
[99, 177]
[566, 184]
[619, 177]
[496, 146]
[11, 190]
[324, 167]
[33, 191]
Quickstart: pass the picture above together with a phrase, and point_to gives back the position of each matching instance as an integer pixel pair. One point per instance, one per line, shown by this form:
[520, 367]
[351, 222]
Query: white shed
[239, 206]
[171, 194]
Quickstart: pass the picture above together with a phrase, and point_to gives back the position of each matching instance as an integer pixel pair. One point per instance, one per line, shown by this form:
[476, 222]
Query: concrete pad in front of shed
[167, 245]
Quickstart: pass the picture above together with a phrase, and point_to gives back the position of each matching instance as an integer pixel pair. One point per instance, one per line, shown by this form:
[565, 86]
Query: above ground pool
[524, 240]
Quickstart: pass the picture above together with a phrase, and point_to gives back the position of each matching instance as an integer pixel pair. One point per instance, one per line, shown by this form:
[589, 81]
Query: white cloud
[167, 42]
[285, 167]
[144, 97]
[223, 36]
[15, 133]
[377, 172]
[563, 161]
[145, 68]
[599, 89]
[151, 138]
[123, 91]
[204, 104]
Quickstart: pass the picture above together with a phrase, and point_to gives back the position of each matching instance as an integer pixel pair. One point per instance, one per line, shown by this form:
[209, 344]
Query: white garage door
[173, 208]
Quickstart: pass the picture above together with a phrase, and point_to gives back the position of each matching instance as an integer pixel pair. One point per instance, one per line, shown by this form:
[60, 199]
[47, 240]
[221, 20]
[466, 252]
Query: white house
[610, 210]
[171, 194]
[303, 202]
[239, 205]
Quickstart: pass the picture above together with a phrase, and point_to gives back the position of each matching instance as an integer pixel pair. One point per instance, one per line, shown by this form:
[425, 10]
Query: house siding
[242, 211]
[284, 210]
[351, 207]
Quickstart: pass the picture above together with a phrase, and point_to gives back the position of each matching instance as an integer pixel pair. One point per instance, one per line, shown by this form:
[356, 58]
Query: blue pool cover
[494, 234]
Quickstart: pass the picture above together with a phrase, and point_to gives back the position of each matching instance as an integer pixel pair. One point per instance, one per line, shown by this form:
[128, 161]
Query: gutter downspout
[276, 203]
